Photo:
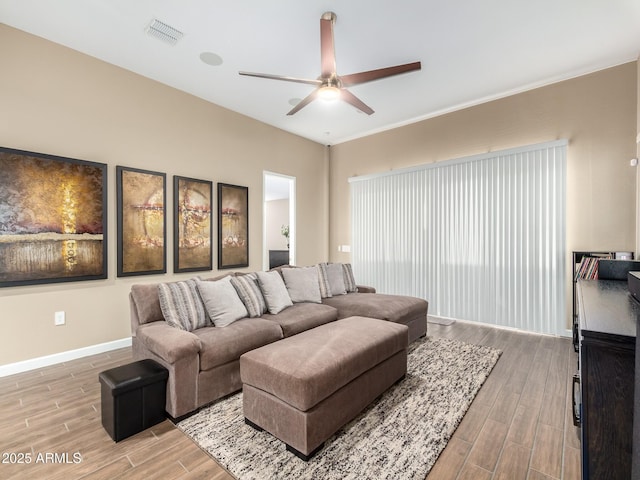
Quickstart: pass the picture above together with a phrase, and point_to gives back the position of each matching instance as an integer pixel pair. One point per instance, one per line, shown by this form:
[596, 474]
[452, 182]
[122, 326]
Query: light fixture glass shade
[329, 93]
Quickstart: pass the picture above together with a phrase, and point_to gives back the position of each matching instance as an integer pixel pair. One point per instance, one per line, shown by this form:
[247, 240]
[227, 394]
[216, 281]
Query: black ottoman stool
[133, 397]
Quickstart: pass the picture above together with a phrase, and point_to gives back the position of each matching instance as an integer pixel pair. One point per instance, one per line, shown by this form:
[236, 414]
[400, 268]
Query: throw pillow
[181, 305]
[349, 280]
[336, 278]
[302, 284]
[221, 301]
[274, 291]
[146, 303]
[323, 280]
[250, 294]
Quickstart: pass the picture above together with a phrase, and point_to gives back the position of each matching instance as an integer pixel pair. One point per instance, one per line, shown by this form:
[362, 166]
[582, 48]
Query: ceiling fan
[329, 84]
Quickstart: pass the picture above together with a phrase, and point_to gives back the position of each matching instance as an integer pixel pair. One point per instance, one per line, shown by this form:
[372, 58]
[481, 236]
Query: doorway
[279, 218]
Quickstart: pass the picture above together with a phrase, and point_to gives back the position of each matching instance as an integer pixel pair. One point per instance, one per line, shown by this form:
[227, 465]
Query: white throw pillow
[274, 291]
[335, 274]
[221, 301]
[302, 284]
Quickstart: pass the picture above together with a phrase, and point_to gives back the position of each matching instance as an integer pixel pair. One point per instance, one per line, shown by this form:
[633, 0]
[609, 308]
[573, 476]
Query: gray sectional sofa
[204, 360]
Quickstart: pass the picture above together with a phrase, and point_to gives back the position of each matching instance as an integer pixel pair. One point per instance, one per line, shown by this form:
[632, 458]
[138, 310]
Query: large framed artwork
[192, 225]
[53, 219]
[233, 226]
[142, 231]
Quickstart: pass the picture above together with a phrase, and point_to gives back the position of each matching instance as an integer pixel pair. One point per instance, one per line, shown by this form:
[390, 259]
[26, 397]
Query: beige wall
[57, 101]
[597, 113]
[277, 213]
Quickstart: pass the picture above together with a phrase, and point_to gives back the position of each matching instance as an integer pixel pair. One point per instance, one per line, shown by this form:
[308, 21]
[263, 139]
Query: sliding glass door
[481, 238]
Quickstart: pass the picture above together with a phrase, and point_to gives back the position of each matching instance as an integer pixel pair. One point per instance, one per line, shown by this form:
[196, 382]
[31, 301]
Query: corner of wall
[327, 203]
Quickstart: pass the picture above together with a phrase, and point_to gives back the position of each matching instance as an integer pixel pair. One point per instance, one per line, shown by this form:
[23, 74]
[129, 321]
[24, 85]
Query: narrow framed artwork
[192, 225]
[53, 219]
[233, 226]
[142, 231]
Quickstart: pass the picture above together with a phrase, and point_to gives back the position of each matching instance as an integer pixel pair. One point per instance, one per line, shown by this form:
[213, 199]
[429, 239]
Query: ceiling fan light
[329, 93]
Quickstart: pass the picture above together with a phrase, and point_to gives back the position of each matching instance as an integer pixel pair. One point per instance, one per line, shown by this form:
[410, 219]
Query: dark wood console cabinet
[607, 332]
[278, 258]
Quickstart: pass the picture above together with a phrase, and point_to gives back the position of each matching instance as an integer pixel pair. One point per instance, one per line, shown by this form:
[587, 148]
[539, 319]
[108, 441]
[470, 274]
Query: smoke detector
[164, 32]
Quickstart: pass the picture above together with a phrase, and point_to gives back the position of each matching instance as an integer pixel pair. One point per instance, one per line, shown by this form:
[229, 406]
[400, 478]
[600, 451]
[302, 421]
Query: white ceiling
[276, 187]
[471, 51]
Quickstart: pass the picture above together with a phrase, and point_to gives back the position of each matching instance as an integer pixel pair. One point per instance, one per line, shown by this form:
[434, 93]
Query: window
[481, 238]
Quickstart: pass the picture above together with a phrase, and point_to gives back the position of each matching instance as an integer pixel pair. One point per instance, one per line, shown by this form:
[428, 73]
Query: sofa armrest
[169, 343]
[365, 289]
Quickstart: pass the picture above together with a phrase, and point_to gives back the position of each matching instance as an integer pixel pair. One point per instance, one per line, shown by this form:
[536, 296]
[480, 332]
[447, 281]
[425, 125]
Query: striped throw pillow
[181, 305]
[250, 294]
[323, 280]
[349, 279]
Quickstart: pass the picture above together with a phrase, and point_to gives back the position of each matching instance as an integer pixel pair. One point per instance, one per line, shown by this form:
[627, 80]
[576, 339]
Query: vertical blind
[481, 238]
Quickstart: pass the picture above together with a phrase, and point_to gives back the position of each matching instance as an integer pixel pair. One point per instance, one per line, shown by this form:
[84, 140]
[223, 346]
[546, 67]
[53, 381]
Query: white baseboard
[32, 364]
[565, 333]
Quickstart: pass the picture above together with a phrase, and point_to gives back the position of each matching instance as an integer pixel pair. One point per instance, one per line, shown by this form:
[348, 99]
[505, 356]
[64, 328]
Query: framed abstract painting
[53, 219]
[192, 225]
[233, 226]
[142, 231]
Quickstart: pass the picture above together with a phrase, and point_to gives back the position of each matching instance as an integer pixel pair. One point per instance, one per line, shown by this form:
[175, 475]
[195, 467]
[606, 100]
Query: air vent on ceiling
[164, 32]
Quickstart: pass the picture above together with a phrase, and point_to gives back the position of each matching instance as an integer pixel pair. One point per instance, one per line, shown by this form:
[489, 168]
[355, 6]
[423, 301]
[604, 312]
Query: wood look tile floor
[518, 427]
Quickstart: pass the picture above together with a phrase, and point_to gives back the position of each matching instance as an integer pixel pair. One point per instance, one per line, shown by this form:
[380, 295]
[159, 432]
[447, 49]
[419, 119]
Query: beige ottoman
[304, 388]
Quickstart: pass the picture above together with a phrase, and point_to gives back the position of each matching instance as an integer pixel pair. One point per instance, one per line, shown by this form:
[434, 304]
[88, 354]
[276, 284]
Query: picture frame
[53, 219]
[192, 224]
[233, 226]
[141, 221]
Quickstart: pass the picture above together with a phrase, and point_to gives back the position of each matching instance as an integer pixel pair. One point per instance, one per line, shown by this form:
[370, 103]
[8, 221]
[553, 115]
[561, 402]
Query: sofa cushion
[274, 291]
[181, 305]
[147, 303]
[302, 316]
[224, 345]
[221, 301]
[302, 284]
[395, 308]
[250, 294]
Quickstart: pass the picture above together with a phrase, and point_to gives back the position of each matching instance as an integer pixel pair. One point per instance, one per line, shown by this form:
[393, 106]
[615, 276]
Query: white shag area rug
[399, 436]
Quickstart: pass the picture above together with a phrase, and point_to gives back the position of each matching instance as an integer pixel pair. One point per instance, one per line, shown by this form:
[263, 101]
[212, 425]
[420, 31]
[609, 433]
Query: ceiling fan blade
[350, 98]
[282, 77]
[304, 102]
[362, 77]
[327, 47]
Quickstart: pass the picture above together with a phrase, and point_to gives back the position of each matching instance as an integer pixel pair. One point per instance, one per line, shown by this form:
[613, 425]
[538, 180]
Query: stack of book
[588, 267]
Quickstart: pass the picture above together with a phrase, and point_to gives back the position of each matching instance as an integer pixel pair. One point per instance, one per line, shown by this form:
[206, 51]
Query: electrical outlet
[59, 318]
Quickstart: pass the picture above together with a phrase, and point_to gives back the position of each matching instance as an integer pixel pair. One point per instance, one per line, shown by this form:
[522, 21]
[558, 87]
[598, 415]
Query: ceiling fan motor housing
[329, 16]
